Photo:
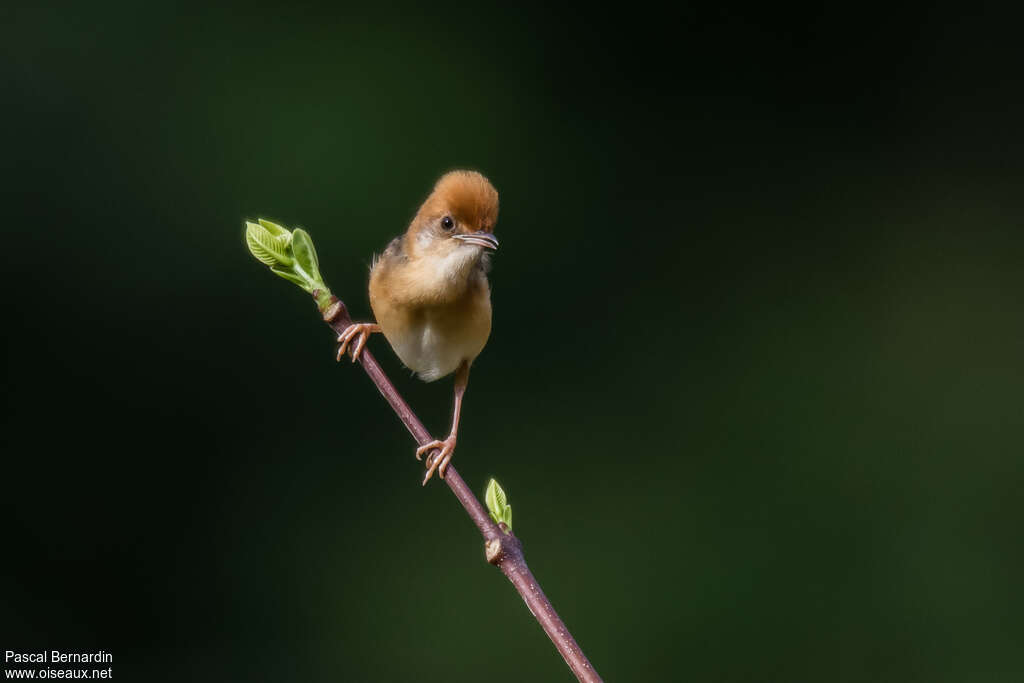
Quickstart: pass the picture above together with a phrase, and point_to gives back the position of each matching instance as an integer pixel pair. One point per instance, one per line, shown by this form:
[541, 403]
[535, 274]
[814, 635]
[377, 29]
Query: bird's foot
[358, 331]
[437, 461]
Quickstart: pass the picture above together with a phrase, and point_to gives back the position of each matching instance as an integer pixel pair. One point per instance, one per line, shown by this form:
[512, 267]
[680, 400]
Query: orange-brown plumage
[429, 289]
[468, 195]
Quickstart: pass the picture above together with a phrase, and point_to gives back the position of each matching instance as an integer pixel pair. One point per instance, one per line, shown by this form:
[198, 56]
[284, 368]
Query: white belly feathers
[431, 353]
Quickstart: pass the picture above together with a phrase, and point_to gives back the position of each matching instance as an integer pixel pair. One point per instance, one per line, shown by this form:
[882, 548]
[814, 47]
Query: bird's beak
[481, 239]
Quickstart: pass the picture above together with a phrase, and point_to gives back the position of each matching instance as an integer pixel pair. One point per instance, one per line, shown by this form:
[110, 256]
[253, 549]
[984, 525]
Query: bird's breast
[433, 340]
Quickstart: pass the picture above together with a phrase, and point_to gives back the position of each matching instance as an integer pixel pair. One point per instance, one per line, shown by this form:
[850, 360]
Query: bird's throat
[444, 275]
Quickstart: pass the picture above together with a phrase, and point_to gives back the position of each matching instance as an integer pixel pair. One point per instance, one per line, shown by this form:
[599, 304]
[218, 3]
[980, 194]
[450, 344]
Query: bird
[430, 293]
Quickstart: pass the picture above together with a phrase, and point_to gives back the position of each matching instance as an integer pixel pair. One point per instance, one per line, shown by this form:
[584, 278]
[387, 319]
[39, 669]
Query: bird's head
[456, 222]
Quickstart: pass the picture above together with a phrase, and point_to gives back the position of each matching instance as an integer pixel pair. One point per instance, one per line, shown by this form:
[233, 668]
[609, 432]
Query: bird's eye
[447, 223]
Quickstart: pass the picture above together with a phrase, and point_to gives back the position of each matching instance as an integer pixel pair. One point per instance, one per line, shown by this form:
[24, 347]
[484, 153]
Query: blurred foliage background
[754, 385]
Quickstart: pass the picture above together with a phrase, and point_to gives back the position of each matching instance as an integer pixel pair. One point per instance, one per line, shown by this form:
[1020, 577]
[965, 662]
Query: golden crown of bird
[430, 295]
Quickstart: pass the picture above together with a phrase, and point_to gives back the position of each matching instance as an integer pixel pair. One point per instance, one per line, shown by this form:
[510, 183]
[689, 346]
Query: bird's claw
[437, 461]
[358, 331]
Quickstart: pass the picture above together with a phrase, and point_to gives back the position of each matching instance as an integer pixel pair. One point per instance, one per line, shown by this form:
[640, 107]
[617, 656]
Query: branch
[292, 256]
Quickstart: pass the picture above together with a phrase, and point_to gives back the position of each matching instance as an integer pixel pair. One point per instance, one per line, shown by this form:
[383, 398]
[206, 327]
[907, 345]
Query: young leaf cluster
[288, 253]
[497, 504]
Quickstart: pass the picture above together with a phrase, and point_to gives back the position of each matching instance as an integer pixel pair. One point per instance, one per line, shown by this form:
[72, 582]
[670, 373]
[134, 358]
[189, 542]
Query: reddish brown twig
[502, 548]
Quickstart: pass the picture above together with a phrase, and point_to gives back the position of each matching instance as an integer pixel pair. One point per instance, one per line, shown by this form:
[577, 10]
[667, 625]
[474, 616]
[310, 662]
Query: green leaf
[273, 228]
[290, 275]
[305, 253]
[268, 248]
[497, 504]
[495, 495]
[491, 496]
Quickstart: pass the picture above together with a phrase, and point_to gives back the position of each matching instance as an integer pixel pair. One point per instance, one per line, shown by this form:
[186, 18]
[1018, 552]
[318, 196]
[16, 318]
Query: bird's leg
[360, 332]
[439, 460]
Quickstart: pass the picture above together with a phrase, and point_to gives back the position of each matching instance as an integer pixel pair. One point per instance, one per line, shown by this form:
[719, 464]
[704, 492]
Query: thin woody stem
[503, 550]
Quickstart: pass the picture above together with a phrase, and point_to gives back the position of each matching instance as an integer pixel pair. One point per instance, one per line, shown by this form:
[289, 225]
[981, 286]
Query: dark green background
[754, 386]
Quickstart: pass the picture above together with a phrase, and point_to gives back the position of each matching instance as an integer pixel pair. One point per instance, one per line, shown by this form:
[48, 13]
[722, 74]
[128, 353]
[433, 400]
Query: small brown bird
[430, 295]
